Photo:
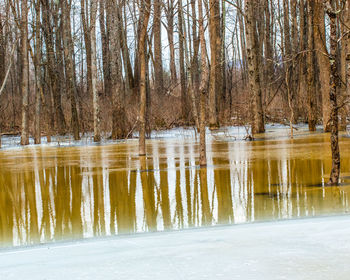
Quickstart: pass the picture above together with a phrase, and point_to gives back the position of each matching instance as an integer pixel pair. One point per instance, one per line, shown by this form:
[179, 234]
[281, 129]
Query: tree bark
[203, 89]
[157, 48]
[182, 62]
[69, 68]
[25, 73]
[323, 61]
[96, 99]
[118, 90]
[311, 81]
[333, 86]
[142, 55]
[253, 52]
[38, 75]
[215, 51]
[170, 31]
[105, 49]
[52, 65]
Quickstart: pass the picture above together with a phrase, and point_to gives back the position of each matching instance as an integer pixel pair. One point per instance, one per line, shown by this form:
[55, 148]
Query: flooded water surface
[49, 194]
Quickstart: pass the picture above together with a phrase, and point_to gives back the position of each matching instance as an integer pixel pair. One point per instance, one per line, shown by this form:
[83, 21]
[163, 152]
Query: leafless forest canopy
[112, 67]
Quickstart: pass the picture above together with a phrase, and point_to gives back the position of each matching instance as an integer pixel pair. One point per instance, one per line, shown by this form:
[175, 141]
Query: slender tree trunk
[96, 99]
[52, 65]
[253, 52]
[130, 81]
[88, 50]
[323, 61]
[57, 94]
[194, 71]
[69, 68]
[334, 84]
[157, 48]
[38, 76]
[118, 91]
[215, 50]
[203, 89]
[347, 53]
[311, 82]
[170, 31]
[105, 49]
[182, 61]
[142, 55]
[25, 73]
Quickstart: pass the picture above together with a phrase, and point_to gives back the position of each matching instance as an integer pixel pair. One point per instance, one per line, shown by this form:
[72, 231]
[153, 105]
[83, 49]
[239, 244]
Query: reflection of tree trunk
[179, 208]
[206, 212]
[45, 203]
[76, 182]
[164, 192]
[147, 182]
[99, 210]
[189, 195]
[7, 217]
[29, 189]
[224, 195]
[122, 202]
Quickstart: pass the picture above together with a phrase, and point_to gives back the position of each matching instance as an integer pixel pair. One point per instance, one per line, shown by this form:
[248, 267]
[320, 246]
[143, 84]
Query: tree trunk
[203, 89]
[157, 48]
[253, 52]
[105, 49]
[52, 65]
[311, 82]
[38, 76]
[182, 62]
[170, 31]
[87, 40]
[323, 61]
[69, 68]
[215, 51]
[96, 99]
[334, 84]
[118, 92]
[25, 74]
[143, 87]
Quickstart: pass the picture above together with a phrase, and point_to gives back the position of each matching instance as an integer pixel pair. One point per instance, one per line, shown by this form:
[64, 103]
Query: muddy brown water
[49, 194]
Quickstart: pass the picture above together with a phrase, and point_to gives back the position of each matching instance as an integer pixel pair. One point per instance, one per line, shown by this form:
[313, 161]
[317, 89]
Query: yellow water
[55, 193]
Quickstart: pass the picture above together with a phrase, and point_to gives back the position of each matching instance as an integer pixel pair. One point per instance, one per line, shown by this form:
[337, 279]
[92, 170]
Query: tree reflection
[53, 194]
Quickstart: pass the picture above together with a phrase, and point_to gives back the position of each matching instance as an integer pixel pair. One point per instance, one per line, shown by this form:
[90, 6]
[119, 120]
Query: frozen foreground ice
[317, 248]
